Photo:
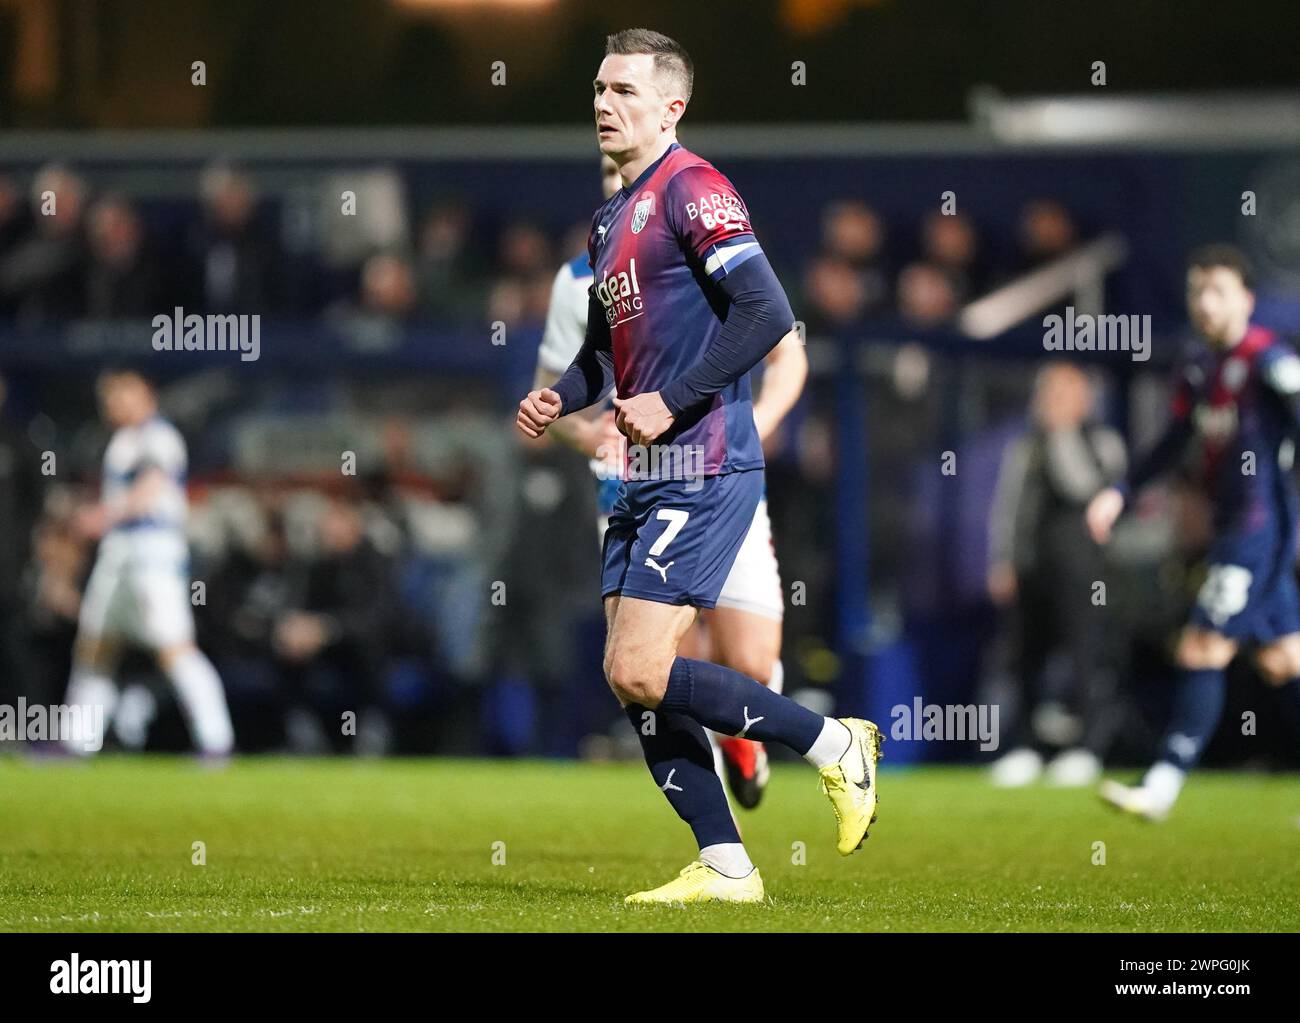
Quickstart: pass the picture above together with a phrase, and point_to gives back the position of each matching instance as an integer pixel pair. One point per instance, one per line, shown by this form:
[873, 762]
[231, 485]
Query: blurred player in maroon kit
[1238, 401]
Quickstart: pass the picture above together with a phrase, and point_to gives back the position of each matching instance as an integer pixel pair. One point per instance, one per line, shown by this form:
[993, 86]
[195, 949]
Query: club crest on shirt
[1216, 423]
[1234, 374]
[641, 212]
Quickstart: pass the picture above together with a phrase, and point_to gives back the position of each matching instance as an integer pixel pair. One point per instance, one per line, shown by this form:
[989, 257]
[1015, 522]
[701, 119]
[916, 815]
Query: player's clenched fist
[538, 411]
[642, 417]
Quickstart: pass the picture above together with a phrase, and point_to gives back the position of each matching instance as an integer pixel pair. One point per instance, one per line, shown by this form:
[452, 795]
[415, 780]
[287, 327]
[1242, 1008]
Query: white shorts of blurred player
[139, 589]
[139, 592]
[754, 586]
[754, 583]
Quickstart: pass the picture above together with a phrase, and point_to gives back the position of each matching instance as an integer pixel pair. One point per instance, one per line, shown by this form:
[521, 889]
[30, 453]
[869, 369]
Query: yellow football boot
[850, 783]
[698, 882]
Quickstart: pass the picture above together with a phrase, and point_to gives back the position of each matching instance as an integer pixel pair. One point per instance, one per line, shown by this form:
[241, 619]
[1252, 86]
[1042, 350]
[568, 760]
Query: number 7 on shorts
[676, 519]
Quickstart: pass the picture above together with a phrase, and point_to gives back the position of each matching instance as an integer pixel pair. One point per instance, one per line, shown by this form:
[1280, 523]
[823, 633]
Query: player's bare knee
[746, 642]
[97, 653]
[1271, 667]
[754, 663]
[636, 679]
[168, 656]
[639, 686]
[1279, 662]
[1200, 651]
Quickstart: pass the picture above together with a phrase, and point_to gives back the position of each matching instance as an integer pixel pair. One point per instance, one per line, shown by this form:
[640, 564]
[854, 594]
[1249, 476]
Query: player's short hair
[671, 58]
[112, 372]
[1210, 257]
[1052, 366]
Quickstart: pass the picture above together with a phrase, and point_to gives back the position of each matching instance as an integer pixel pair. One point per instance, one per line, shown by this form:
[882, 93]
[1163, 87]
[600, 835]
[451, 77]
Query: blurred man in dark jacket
[333, 639]
[1043, 566]
[122, 280]
[231, 258]
[43, 276]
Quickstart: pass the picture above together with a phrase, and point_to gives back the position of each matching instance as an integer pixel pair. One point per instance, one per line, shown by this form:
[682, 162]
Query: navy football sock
[734, 704]
[681, 763]
[1197, 706]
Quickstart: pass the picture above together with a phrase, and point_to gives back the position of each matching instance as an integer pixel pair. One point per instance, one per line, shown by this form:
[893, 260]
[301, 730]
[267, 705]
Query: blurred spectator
[1043, 566]
[249, 591]
[52, 588]
[399, 478]
[20, 505]
[949, 243]
[834, 294]
[523, 292]
[853, 232]
[43, 277]
[231, 262]
[122, 281]
[549, 568]
[332, 636]
[926, 296]
[524, 251]
[375, 322]
[446, 279]
[804, 487]
[388, 287]
[1046, 232]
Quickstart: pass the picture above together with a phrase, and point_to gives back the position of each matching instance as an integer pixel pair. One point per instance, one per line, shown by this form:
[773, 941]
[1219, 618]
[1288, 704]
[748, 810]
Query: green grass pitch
[406, 845]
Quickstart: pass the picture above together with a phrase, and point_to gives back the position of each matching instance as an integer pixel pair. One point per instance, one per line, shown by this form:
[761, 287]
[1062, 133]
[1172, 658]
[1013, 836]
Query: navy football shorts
[1250, 590]
[674, 541]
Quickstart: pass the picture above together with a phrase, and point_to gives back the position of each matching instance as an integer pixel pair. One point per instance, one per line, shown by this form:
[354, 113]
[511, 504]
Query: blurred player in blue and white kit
[1237, 405]
[682, 306]
[744, 630]
[139, 590]
[591, 431]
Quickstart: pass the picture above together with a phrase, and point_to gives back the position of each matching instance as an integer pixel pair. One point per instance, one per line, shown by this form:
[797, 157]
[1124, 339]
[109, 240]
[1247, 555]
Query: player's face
[127, 401]
[1063, 398]
[1219, 304]
[631, 112]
